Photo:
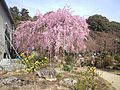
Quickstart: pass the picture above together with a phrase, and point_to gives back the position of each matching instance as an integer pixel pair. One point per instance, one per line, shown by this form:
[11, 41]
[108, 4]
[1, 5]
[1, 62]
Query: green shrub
[67, 68]
[69, 58]
[88, 63]
[98, 62]
[59, 76]
[104, 60]
[32, 62]
[88, 59]
[86, 80]
[108, 60]
[117, 58]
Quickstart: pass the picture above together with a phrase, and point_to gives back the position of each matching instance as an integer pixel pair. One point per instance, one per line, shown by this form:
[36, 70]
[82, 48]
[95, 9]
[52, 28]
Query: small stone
[14, 81]
[68, 81]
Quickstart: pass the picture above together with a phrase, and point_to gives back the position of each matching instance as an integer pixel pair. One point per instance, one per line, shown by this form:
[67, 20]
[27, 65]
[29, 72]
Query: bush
[32, 62]
[88, 63]
[87, 80]
[103, 61]
[117, 62]
[99, 62]
[117, 58]
[69, 58]
[67, 68]
[88, 59]
[108, 60]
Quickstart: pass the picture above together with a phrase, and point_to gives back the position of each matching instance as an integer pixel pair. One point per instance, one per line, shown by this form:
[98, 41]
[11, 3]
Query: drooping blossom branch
[53, 29]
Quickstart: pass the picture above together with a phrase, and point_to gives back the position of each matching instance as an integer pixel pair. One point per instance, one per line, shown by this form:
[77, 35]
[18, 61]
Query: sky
[84, 8]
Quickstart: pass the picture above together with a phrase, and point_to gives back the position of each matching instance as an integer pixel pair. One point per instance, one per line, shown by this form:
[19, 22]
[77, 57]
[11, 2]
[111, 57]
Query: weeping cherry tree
[53, 30]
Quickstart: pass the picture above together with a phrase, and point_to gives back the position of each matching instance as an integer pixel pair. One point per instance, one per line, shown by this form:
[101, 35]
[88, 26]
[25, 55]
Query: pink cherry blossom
[58, 29]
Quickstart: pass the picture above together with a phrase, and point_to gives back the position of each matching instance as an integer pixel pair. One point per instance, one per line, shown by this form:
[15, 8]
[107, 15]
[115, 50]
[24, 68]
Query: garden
[53, 55]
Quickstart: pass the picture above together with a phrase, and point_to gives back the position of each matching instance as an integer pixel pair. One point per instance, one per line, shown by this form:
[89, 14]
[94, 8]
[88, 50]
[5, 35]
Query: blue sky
[84, 8]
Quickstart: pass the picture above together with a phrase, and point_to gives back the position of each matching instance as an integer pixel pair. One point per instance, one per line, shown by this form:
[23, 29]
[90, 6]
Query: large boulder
[11, 64]
[48, 74]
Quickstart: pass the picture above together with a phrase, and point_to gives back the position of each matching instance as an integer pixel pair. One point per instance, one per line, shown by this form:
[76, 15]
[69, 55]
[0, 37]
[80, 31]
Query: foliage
[18, 16]
[52, 31]
[24, 15]
[115, 26]
[88, 59]
[101, 23]
[104, 41]
[98, 23]
[15, 14]
[117, 58]
[104, 60]
[108, 60]
[69, 58]
[116, 62]
[87, 80]
[104, 34]
[67, 68]
[99, 62]
[33, 63]
[59, 76]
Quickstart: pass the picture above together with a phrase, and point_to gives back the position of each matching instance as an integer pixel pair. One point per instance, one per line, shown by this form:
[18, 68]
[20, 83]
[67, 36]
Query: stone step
[11, 64]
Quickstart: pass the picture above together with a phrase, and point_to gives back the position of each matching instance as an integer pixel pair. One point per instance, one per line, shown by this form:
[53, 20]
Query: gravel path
[111, 78]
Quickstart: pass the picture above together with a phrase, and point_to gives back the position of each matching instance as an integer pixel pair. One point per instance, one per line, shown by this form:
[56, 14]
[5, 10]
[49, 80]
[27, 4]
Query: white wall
[3, 19]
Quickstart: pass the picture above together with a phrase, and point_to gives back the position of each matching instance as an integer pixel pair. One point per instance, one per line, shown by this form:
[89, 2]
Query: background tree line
[96, 22]
[104, 35]
[101, 23]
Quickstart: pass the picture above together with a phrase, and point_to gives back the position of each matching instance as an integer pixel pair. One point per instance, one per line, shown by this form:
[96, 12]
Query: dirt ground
[33, 82]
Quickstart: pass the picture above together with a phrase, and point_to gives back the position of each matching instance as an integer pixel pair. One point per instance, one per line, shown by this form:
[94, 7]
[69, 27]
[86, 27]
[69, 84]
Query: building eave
[7, 10]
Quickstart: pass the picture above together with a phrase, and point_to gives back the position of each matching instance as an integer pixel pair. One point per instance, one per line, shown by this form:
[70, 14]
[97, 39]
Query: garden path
[113, 79]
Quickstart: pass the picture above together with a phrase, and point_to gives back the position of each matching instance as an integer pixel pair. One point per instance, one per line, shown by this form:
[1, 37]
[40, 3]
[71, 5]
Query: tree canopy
[24, 14]
[98, 23]
[101, 23]
[18, 15]
[53, 30]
